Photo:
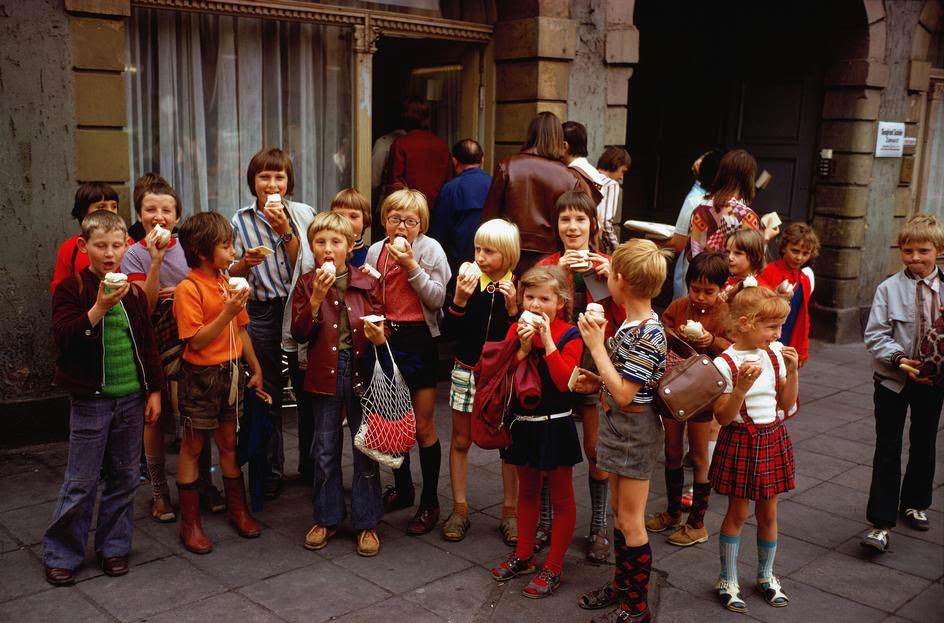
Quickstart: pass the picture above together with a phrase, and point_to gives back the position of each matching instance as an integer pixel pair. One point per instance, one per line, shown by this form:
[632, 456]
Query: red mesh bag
[388, 429]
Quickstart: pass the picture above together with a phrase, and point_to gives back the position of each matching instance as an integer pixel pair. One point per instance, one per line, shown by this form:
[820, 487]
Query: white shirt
[606, 209]
[761, 398]
[378, 156]
[683, 227]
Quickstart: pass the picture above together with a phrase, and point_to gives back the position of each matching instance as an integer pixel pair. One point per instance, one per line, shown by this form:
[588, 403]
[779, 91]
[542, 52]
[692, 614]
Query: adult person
[460, 203]
[419, 159]
[525, 188]
[726, 207]
[614, 162]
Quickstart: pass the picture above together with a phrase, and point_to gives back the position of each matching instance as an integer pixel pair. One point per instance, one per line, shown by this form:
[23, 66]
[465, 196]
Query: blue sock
[729, 556]
[766, 551]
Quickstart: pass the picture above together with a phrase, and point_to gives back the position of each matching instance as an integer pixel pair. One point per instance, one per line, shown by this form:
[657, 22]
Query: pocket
[612, 426]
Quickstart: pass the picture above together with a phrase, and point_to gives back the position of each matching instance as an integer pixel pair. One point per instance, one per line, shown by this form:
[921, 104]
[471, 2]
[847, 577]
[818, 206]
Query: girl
[89, 197]
[544, 443]
[747, 252]
[755, 456]
[482, 310]
[413, 277]
[706, 275]
[726, 207]
[629, 443]
[577, 231]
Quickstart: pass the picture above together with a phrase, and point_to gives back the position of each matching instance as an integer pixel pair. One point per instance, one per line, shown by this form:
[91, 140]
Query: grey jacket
[429, 279]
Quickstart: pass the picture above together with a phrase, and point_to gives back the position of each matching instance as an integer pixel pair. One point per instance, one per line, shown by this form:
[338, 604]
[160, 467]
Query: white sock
[711, 450]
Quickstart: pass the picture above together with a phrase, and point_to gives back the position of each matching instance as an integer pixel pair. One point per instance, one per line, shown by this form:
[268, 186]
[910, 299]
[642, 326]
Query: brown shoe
[423, 521]
[368, 543]
[395, 500]
[660, 522]
[59, 577]
[161, 509]
[236, 508]
[318, 537]
[114, 565]
[686, 536]
[191, 528]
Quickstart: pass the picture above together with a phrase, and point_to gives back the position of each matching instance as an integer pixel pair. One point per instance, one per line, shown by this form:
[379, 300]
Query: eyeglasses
[396, 220]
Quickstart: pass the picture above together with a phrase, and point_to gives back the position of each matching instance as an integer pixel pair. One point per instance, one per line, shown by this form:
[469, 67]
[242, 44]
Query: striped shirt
[639, 356]
[272, 278]
[608, 206]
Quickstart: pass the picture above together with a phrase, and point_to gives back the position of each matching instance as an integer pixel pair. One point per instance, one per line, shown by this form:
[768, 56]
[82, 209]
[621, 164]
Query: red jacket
[615, 315]
[773, 275]
[321, 332]
[420, 160]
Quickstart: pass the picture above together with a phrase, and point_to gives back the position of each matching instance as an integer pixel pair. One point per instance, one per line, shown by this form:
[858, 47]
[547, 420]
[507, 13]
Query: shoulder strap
[571, 333]
[734, 375]
[776, 365]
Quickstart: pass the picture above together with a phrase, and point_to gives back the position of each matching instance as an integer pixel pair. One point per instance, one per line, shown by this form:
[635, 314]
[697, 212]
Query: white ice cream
[161, 236]
[238, 283]
[330, 268]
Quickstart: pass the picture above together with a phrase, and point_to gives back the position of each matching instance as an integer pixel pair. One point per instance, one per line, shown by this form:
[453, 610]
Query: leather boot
[191, 528]
[236, 508]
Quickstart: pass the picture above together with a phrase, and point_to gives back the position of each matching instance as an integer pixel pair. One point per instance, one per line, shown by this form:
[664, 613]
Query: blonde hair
[330, 221]
[922, 228]
[502, 236]
[103, 221]
[642, 265]
[406, 199]
[553, 276]
[351, 199]
[757, 304]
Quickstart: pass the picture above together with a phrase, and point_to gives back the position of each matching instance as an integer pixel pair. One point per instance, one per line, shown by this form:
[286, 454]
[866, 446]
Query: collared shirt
[485, 280]
[272, 278]
[608, 206]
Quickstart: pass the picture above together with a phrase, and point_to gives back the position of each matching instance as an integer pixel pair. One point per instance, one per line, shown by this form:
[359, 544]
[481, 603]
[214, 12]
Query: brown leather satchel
[690, 386]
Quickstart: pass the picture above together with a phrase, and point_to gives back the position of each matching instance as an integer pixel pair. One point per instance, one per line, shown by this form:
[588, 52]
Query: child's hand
[275, 214]
[152, 408]
[166, 293]
[508, 290]
[235, 302]
[404, 258]
[106, 300]
[319, 287]
[465, 286]
[587, 382]
[544, 330]
[591, 332]
[915, 363]
[253, 257]
[601, 265]
[374, 332]
[255, 382]
[569, 257]
[704, 341]
[747, 374]
[525, 335]
[791, 358]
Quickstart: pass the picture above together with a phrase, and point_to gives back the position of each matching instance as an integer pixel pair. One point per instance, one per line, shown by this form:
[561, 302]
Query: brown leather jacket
[321, 332]
[524, 189]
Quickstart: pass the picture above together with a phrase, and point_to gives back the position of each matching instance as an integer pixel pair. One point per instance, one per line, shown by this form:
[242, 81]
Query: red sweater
[560, 364]
[69, 261]
[773, 275]
[420, 160]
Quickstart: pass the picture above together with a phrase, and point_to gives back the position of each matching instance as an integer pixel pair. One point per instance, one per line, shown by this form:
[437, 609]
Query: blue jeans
[102, 431]
[327, 415]
[265, 331]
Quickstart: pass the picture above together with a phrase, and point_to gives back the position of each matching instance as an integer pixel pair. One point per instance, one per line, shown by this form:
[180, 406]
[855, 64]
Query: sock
[638, 568]
[619, 554]
[402, 478]
[509, 511]
[157, 476]
[430, 459]
[766, 551]
[460, 508]
[728, 546]
[547, 513]
[598, 495]
[700, 494]
[711, 450]
[674, 480]
[561, 486]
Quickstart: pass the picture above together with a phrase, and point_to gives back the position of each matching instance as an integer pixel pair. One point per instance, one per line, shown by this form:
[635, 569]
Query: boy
[108, 362]
[211, 319]
[905, 305]
[355, 208]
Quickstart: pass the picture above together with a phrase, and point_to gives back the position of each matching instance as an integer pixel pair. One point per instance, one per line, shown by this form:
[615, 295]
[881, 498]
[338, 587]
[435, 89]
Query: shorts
[415, 353]
[462, 391]
[203, 394]
[629, 443]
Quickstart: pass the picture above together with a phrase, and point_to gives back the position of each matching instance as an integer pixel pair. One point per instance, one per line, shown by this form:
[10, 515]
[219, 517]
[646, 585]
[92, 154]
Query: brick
[852, 104]
[100, 99]
[914, 108]
[857, 72]
[97, 43]
[906, 174]
[848, 201]
[504, 150]
[876, 40]
[511, 120]
[903, 202]
[931, 16]
[839, 263]
[124, 201]
[874, 10]
[102, 155]
[854, 136]
[840, 232]
[919, 75]
[893, 264]
[518, 9]
[622, 46]
[532, 80]
[617, 85]
[920, 42]
[619, 12]
[537, 37]
[852, 169]
[836, 292]
[100, 7]
[615, 133]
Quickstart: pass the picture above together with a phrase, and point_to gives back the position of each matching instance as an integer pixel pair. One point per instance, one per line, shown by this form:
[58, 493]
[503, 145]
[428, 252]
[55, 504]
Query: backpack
[169, 344]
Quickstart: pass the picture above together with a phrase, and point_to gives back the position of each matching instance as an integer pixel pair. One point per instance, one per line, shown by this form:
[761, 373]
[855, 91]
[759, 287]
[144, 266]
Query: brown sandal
[598, 546]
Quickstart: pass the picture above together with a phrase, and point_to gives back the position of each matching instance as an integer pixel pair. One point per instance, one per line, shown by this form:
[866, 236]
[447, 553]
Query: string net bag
[388, 428]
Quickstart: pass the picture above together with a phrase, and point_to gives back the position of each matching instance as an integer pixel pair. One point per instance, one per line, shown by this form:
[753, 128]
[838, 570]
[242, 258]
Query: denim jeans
[303, 411]
[103, 431]
[265, 331]
[327, 415]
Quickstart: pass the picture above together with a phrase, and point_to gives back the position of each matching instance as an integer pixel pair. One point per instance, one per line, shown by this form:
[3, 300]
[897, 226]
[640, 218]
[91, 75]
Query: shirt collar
[484, 280]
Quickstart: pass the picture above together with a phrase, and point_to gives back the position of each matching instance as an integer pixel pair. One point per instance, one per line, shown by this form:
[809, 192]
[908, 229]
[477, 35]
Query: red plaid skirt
[755, 467]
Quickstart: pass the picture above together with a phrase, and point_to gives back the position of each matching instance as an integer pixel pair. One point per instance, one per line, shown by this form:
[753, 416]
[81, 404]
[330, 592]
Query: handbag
[691, 385]
[931, 352]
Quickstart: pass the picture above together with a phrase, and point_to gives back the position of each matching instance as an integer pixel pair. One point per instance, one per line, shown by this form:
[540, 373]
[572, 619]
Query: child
[108, 362]
[328, 307]
[356, 208]
[905, 305]
[211, 319]
[544, 443]
[482, 310]
[704, 279]
[577, 229]
[413, 277]
[747, 252]
[90, 197]
[726, 207]
[754, 457]
[798, 245]
[628, 446]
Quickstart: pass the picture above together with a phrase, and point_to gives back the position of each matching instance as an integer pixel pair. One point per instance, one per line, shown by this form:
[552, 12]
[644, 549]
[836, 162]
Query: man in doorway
[419, 159]
[575, 156]
[613, 163]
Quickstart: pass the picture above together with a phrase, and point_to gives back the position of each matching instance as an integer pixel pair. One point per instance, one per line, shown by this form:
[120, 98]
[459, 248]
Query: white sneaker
[877, 539]
[917, 519]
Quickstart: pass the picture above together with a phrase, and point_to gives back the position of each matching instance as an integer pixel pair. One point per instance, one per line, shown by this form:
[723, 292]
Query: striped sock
[729, 556]
[598, 495]
[766, 552]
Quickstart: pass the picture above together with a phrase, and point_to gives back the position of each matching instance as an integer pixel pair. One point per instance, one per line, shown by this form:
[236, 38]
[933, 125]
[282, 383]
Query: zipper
[134, 344]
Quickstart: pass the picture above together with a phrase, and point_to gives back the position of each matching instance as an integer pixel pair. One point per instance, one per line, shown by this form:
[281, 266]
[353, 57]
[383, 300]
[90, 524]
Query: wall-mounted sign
[890, 139]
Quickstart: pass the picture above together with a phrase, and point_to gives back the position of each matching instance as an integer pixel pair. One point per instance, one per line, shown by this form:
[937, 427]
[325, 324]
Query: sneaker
[368, 543]
[660, 522]
[394, 500]
[686, 536]
[511, 567]
[917, 519]
[542, 585]
[318, 537]
[877, 539]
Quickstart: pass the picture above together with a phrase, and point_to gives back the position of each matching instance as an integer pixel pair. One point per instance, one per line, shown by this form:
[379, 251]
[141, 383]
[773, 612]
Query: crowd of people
[167, 335]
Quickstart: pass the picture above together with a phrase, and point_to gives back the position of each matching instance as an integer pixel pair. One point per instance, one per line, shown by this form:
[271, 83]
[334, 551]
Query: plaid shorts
[203, 394]
[755, 467]
[462, 391]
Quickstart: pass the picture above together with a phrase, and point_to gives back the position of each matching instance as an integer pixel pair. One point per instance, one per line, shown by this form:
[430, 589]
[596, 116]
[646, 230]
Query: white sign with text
[890, 140]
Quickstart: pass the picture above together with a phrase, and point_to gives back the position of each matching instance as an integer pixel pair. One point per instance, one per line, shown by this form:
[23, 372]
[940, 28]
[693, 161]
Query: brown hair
[801, 234]
[642, 265]
[735, 179]
[553, 276]
[272, 159]
[330, 221]
[545, 136]
[711, 266]
[154, 184]
[922, 228]
[579, 201]
[756, 304]
[89, 193]
[200, 234]
[752, 242]
[352, 199]
[614, 157]
[415, 114]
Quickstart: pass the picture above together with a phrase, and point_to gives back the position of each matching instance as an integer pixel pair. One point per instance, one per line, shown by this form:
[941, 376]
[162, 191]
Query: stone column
[365, 46]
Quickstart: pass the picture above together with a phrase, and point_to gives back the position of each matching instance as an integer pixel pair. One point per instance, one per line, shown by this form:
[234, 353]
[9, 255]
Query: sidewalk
[824, 571]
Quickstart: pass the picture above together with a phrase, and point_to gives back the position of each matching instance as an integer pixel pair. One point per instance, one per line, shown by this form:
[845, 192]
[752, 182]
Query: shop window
[208, 91]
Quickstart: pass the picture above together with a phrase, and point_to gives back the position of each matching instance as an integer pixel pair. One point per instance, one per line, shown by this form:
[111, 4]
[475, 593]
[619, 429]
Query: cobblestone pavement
[425, 579]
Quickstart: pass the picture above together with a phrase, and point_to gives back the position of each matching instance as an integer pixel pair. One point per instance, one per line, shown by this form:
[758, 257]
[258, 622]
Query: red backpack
[494, 389]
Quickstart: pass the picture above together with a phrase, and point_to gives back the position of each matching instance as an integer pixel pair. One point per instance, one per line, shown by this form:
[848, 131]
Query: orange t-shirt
[198, 301]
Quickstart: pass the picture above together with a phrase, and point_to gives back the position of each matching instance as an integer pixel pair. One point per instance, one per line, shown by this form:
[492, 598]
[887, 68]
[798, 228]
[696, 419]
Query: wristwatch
[287, 237]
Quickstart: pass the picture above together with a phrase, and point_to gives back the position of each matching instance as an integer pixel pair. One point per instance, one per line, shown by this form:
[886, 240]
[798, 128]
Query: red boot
[191, 528]
[236, 508]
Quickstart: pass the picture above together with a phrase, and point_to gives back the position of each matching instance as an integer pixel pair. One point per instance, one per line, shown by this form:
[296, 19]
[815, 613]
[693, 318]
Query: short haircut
[155, 185]
[614, 157]
[752, 243]
[415, 114]
[757, 304]
[801, 234]
[89, 193]
[406, 199]
[575, 133]
[103, 221]
[642, 265]
[580, 201]
[272, 159]
[468, 151]
[545, 136]
[139, 185]
[705, 167]
[922, 228]
[200, 234]
[502, 236]
[352, 199]
[331, 221]
[553, 276]
[710, 266]
[735, 178]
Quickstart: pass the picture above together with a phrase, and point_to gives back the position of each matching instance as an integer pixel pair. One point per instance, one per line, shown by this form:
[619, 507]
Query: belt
[542, 418]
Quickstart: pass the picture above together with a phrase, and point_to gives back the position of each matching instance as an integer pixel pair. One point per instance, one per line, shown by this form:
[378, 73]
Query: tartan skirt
[755, 467]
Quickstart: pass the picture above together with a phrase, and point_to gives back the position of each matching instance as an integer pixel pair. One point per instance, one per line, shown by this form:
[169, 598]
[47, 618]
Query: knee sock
[561, 485]
[402, 477]
[766, 551]
[598, 494]
[637, 563]
[430, 460]
[157, 476]
[728, 546]
[547, 513]
[529, 502]
[700, 495]
[619, 553]
[674, 480]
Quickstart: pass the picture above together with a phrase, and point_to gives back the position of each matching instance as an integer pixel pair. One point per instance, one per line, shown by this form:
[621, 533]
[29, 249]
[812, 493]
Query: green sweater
[121, 372]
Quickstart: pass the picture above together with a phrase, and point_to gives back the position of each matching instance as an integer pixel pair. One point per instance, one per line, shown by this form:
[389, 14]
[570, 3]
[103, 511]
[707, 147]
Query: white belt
[541, 418]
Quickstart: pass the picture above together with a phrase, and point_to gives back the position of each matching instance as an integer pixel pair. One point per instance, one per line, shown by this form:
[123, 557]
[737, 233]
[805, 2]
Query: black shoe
[394, 500]
[114, 566]
[273, 488]
[916, 519]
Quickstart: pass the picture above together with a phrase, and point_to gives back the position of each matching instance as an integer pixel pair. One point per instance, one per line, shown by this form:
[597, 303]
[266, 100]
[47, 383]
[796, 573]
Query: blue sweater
[458, 214]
